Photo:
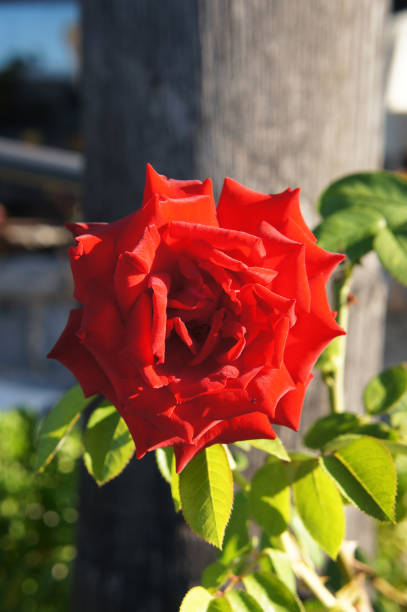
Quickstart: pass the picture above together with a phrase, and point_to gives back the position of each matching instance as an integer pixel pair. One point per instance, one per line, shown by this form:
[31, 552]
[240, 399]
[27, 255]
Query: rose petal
[160, 284]
[70, 351]
[242, 208]
[288, 410]
[170, 188]
[246, 427]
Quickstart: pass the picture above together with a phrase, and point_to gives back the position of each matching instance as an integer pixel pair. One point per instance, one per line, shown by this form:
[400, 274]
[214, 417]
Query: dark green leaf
[320, 506]
[206, 488]
[271, 593]
[391, 247]
[269, 498]
[382, 192]
[214, 575]
[58, 423]
[242, 602]
[220, 604]
[236, 535]
[365, 473]
[347, 230]
[388, 391]
[166, 464]
[108, 444]
[329, 427]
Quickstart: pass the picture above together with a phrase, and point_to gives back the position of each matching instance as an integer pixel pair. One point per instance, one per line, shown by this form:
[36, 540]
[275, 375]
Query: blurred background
[135, 82]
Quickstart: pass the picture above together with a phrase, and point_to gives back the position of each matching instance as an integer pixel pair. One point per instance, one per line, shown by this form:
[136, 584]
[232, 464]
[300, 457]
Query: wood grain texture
[274, 93]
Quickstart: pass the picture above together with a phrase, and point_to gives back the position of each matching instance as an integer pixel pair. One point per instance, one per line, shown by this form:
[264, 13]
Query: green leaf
[196, 600]
[206, 488]
[329, 427]
[175, 492]
[220, 604]
[164, 458]
[58, 423]
[271, 593]
[365, 473]
[108, 444]
[214, 575]
[311, 551]
[269, 498]
[236, 538]
[320, 506]
[391, 247]
[272, 447]
[281, 566]
[347, 230]
[242, 602]
[388, 391]
[383, 192]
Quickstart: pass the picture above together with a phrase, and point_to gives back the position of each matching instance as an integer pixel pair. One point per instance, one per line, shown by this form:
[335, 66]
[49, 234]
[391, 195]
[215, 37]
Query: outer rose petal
[288, 411]
[170, 188]
[246, 427]
[243, 209]
[70, 351]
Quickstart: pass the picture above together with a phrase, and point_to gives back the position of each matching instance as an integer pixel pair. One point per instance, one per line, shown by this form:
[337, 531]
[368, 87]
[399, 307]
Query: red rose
[200, 326]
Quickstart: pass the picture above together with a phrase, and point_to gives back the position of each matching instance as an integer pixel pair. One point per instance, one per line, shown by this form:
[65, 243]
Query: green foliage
[387, 391]
[365, 473]
[242, 602]
[271, 447]
[108, 444]
[206, 489]
[271, 593]
[319, 505]
[269, 498]
[196, 600]
[329, 427]
[367, 211]
[37, 519]
[58, 423]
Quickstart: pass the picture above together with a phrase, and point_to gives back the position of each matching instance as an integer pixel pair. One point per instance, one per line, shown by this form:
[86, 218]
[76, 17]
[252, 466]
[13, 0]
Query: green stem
[335, 379]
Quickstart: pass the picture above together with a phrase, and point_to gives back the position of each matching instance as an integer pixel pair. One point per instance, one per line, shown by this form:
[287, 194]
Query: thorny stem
[335, 378]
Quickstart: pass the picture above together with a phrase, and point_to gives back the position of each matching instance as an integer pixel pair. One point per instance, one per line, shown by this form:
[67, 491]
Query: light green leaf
[271, 593]
[196, 600]
[164, 458]
[396, 448]
[320, 506]
[365, 473]
[272, 447]
[108, 444]
[383, 192]
[269, 498]
[347, 230]
[391, 247]
[237, 534]
[281, 566]
[387, 391]
[242, 602]
[329, 427]
[176, 496]
[206, 488]
[58, 423]
[311, 551]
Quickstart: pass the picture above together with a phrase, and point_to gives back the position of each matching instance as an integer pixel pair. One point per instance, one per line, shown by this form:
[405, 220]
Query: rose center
[198, 330]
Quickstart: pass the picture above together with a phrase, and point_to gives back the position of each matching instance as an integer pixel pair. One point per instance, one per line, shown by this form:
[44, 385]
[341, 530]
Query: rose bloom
[200, 325]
